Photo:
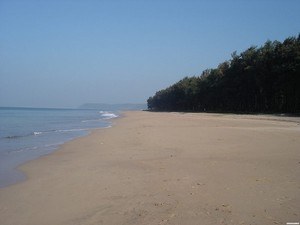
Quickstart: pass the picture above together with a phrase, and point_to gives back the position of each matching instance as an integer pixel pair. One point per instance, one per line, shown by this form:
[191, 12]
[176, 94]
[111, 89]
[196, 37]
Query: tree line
[264, 79]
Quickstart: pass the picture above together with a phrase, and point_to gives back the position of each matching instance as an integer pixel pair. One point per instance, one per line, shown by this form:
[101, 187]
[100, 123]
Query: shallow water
[28, 133]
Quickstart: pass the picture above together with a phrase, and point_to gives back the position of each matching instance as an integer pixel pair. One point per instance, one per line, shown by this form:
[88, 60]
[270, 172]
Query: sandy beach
[166, 168]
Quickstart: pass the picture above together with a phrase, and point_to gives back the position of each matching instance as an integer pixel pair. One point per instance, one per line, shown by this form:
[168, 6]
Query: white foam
[109, 115]
[54, 144]
[37, 133]
[23, 149]
[71, 130]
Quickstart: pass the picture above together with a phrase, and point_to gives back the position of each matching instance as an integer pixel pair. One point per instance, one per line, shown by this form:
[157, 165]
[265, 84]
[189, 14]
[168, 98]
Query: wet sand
[166, 168]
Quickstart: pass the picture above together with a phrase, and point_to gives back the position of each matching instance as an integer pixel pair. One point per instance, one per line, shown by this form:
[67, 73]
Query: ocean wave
[105, 115]
[14, 136]
[108, 115]
[72, 130]
[19, 150]
[54, 144]
[35, 133]
[38, 133]
[87, 121]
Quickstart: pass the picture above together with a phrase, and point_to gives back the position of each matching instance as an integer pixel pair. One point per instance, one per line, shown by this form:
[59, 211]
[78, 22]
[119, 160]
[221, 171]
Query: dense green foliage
[265, 79]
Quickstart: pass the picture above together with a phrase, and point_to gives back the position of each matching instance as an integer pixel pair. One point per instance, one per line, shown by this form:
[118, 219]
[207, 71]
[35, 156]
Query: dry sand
[166, 168]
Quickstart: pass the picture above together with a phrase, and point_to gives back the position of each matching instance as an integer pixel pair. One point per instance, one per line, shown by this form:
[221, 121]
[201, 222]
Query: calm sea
[27, 133]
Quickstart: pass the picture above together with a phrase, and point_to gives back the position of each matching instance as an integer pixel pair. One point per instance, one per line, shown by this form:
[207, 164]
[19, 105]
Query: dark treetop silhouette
[264, 79]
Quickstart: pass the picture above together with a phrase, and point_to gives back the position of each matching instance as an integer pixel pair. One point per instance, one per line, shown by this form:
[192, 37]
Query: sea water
[28, 133]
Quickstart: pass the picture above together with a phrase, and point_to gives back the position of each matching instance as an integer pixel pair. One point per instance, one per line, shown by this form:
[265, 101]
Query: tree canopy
[264, 79]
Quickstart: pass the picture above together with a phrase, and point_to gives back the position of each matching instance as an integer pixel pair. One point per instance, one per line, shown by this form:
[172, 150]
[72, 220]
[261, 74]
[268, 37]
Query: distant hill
[113, 107]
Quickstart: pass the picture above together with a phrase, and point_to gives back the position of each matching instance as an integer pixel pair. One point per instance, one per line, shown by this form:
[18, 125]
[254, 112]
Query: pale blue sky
[62, 53]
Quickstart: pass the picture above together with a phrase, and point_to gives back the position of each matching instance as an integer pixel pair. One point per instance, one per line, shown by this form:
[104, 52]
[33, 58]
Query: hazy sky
[62, 53]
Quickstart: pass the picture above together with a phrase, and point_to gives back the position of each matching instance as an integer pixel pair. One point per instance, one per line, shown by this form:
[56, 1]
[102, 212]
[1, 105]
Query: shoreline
[18, 175]
[61, 147]
[164, 168]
